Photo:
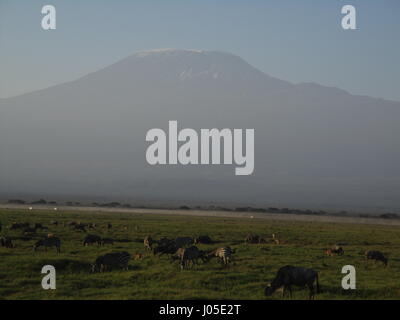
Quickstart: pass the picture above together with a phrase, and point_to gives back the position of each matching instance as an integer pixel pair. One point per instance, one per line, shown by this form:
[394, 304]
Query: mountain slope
[314, 145]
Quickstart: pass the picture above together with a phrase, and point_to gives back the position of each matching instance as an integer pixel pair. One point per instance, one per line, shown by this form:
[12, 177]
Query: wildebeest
[253, 238]
[288, 276]
[54, 223]
[165, 246]
[109, 226]
[80, 226]
[105, 241]
[181, 242]
[72, 223]
[28, 230]
[203, 240]
[377, 256]
[92, 238]
[224, 254]
[109, 260]
[39, 226]
[148, 242]
[48, 242]
[187, 255]
[6, 242]
[16, 225]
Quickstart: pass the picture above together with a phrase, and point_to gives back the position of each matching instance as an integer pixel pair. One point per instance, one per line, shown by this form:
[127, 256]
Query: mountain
[315, 146]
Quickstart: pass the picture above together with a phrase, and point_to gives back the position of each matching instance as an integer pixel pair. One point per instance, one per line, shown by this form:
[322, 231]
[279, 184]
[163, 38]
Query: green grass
[159, 278]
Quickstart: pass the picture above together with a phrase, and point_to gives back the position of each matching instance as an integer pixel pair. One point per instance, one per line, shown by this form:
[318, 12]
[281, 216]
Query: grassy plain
[153, 277]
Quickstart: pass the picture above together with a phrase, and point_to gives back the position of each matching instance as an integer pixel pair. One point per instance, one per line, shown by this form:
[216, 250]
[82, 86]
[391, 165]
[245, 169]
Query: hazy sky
[298, 41]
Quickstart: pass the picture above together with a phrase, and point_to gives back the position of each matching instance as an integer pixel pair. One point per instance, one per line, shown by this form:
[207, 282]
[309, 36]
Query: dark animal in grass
[72, 223]
[111, 260]
[6, 242]
[377, 256]
[29, 230]
[80, 227]
[105, 241]
[54, 223]
[203, 240]
[91, 239]
[148, 242]
[40, 226]
[289, 276]
[253, 238]
[223, 253]
[109, 226]
[47, 243]
[187, 255]
[181, 242]
[16, 225]
[166, 246]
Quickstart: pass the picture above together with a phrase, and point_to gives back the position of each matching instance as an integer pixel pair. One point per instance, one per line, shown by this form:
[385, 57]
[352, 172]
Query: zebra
[377, 256]
[298, 276]
[109, 260]
[224, 254]
[48, 242]
[148, 242]
[91, 238]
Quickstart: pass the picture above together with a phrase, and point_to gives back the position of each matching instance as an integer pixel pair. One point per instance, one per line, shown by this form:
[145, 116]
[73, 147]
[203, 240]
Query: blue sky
[298, 41]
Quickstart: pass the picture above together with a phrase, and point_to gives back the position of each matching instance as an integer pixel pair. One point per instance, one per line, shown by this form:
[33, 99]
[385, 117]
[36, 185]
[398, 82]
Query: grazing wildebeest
[165, 246]
[224, 254]
[54, 223]
[39, 226]
[377, 256]
[148, 242]
[253, 238]
[297, 276]
[105, 241]
[80, 227]
[92, 238]
[16, 225]
[28, 230]
[48, 242]
[187, 255]
[72, 223]
[181, 242]
[203, 240]
[109, 260]
[6, 242]
[109, 226]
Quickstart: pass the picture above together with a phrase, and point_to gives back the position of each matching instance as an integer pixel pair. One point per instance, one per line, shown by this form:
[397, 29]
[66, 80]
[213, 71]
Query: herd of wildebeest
[182, 249]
